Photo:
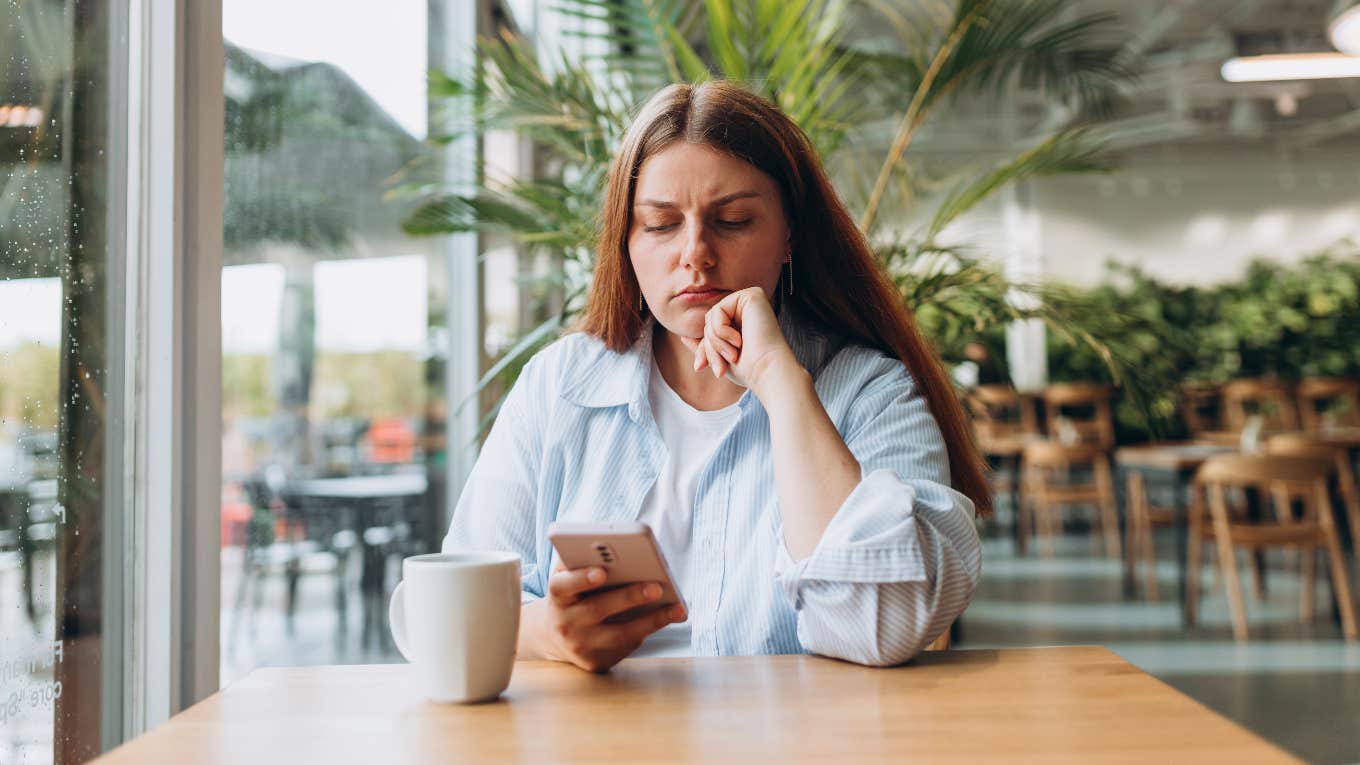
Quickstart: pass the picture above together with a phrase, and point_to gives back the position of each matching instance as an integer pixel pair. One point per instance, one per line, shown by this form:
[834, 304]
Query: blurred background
[1131, 229]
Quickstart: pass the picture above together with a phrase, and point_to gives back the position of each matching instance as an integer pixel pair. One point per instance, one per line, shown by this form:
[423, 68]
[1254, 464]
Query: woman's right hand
[569, 624]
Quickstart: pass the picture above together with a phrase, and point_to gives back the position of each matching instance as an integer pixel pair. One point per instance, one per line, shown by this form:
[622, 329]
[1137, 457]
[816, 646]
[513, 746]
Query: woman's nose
[696, 252]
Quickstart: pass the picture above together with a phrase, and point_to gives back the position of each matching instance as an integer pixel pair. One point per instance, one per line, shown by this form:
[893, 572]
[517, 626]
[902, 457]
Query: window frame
[171, 375]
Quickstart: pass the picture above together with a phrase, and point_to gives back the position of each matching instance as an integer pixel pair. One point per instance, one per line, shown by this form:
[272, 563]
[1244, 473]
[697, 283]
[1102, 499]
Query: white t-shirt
[691, 437]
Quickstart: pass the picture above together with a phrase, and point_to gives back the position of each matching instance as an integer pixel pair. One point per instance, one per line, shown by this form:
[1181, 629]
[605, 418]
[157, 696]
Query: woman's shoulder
[846, 365]
[558, 359]
[838, 362]
[564, 363]
[857, 370]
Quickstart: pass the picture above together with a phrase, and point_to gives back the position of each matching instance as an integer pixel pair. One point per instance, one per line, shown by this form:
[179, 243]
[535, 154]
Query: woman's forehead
[696, 171]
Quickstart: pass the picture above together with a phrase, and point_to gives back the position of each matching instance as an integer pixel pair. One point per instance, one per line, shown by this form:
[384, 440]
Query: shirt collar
[606, 378]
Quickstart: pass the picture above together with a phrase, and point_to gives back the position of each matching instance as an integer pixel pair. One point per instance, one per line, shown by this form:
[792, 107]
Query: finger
[715, 359]
[567, 585]
[634, 631]
[731, 335]
[726, 350]
[729, 308]
[689, 342]
[713, 331]
[700, 357]
[597, 608]
[724, 364]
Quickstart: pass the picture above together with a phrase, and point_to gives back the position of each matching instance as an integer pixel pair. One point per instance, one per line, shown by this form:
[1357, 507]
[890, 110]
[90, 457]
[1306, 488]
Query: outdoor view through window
[334, 323]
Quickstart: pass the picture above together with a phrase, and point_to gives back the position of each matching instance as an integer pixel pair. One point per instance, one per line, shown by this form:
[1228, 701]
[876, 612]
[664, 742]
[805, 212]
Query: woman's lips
[703, 296]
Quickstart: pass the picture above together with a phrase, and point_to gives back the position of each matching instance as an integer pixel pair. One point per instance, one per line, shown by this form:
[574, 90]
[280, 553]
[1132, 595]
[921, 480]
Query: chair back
[999, 410]
[1328, 400]
[1202, 407]
[1268, 398]
[1278, 478]
[1086, 406]
[1303, 445]
[1053, 454]
[1246, 471]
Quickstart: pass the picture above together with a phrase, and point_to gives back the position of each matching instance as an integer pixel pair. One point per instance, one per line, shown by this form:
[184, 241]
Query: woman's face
[704, 224]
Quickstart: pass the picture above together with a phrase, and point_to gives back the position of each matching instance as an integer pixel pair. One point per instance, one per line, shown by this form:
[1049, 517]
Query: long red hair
[840, 285]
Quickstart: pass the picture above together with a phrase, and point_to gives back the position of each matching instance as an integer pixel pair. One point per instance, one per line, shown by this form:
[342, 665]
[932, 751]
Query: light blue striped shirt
[575, 440]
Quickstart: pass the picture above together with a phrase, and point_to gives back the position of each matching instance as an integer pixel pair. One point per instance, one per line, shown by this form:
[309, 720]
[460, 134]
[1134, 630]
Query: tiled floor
[1297, 685]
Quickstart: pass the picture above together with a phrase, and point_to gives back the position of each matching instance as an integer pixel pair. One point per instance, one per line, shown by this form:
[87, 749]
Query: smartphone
[626, 549]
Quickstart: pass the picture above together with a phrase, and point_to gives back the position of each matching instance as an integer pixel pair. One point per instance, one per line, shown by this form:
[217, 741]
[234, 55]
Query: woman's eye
[658, 228]
[733, 223]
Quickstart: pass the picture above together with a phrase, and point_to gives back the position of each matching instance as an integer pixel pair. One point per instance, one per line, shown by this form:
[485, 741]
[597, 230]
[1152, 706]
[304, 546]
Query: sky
[30, 312]
[362, 305]
[379, 43]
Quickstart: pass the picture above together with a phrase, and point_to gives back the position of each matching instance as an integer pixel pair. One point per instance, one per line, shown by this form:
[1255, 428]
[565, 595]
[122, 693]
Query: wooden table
[1344, 438]
[1035, 705]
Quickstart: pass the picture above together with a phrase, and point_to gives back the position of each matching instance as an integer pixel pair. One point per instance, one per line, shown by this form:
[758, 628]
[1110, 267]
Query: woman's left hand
[742, 339]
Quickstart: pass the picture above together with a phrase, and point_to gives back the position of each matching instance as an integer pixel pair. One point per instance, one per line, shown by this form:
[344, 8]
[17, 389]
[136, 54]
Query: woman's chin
[688, 323]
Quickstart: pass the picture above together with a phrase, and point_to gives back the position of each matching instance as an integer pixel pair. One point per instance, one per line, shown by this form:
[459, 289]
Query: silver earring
[789, 262]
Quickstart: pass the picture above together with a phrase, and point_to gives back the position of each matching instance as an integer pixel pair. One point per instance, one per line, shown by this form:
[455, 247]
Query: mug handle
[396, 617]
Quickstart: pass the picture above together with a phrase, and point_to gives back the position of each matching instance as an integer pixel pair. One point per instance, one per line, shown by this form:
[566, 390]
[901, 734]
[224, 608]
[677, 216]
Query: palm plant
[841, 92]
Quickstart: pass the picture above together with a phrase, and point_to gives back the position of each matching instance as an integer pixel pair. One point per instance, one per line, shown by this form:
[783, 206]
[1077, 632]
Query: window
[334, 325]
[60, 613]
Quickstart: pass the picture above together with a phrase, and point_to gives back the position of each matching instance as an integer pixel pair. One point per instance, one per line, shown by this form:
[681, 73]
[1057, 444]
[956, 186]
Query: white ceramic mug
[456, 617]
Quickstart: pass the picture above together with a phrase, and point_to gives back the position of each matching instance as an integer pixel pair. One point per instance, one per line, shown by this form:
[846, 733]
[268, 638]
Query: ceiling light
[1291, 66]
[18, 115]
[1344, 30]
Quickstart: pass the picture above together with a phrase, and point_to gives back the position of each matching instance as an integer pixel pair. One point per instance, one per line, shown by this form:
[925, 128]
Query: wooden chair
[1049, 484]
[1301, 445]
[1319, 394]
[999, 411]
[1003, 421]
[1269, 398]
[1282, 480]
[1202, 407]
[1143, 516]
[1093, 421]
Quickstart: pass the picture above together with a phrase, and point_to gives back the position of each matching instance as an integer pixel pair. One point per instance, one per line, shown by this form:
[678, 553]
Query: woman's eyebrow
[719, 202]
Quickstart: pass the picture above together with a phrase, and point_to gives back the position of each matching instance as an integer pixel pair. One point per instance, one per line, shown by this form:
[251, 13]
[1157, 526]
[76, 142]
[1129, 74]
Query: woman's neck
[700, 390]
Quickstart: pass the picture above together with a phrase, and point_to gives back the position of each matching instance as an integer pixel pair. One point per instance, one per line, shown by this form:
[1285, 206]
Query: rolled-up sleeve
[496, 510]
[901, 557]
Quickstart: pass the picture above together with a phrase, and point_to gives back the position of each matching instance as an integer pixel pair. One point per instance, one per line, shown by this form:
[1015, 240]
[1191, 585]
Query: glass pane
[53, 371]
[333, 454]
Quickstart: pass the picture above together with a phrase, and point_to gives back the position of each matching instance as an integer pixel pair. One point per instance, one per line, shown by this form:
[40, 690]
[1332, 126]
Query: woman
[746, 381]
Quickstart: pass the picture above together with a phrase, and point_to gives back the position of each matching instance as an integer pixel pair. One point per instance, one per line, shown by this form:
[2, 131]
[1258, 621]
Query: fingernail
[595, 576]
[651, 591]
[677, 613]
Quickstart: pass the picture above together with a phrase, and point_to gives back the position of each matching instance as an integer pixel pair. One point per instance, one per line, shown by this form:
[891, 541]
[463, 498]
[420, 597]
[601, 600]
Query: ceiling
[1181, 99]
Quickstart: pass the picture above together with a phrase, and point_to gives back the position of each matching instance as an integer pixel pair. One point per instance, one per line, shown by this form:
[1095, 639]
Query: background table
[358, 504]
[1077, 705]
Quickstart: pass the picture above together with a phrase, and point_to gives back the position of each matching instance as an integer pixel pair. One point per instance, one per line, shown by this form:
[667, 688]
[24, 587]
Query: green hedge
[1286, 320]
